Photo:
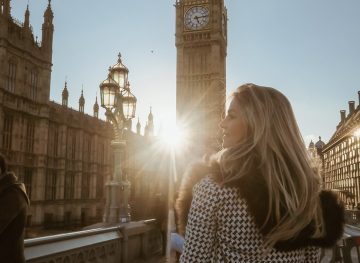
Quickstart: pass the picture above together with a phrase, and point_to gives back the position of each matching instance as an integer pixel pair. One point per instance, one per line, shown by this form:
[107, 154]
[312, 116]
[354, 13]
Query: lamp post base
[117, 208]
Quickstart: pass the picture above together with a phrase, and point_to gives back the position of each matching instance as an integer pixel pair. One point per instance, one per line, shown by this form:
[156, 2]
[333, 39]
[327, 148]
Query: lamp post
[120, 106]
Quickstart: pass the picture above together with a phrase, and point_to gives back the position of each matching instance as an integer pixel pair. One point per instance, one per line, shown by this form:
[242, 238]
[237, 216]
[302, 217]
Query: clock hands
[197, 17]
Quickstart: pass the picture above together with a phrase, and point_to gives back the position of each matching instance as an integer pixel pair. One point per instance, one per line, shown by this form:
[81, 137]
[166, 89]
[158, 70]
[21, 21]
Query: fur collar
[253, 189]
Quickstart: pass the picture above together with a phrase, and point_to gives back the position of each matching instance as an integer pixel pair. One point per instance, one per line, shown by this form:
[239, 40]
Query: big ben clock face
[196, 17]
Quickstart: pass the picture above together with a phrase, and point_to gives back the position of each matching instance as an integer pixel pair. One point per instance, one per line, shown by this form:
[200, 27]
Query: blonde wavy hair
[275, 146]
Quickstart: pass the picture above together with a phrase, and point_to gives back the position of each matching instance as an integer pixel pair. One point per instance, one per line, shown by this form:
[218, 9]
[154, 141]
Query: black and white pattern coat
[223, 223]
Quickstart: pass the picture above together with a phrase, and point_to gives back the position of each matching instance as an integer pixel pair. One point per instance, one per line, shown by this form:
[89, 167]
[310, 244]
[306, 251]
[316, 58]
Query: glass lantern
[119, 73]
[129, 102]
[108, 90]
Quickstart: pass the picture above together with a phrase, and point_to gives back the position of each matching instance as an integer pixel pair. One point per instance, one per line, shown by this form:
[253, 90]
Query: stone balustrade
[122, 243]
[138, 240]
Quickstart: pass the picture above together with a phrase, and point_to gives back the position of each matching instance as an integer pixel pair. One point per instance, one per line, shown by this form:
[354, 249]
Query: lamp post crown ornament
[127, 86]
[119, 65]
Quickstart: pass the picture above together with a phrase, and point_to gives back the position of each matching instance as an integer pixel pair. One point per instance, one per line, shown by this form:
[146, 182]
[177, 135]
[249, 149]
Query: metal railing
[347, 250]
[352, 217]
[121, 243]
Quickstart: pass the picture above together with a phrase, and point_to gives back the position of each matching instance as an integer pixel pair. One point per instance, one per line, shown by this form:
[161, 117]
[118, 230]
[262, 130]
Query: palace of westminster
[64, 157]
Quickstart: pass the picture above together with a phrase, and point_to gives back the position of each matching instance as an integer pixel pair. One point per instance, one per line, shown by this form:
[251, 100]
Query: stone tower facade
[201, 42]
[24, 62]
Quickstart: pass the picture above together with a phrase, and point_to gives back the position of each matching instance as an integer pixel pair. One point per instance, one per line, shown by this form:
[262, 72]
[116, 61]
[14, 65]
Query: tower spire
[65, 95]
[138, 127]
[96, 108]
[48, 29]
[150, 123]
[82, 101]
[27, 17]
[5, 8]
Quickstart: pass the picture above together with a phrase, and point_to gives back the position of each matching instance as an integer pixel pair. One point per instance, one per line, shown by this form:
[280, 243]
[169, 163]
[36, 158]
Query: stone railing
[122, 243]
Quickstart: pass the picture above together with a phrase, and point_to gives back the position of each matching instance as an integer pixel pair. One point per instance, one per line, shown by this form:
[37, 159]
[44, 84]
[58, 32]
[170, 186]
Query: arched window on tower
[33, 84]
[11, 76]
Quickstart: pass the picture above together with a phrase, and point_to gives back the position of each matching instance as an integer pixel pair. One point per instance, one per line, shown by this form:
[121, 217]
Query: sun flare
[173, 136]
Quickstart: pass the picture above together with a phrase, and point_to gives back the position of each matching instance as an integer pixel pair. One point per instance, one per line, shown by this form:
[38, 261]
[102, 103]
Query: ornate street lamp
[120, 105]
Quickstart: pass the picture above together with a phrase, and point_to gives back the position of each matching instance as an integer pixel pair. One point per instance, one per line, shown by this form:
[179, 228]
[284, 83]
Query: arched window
[30, 136]
[7, 132]
[33, 84]
[51, 184]
[11, 76]
[69, 185]
[27, 180]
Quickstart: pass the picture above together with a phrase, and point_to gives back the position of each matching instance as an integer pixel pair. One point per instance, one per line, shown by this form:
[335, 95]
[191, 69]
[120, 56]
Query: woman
[259, 199]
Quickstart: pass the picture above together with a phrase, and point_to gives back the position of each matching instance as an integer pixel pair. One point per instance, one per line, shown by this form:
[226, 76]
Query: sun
[173, 137]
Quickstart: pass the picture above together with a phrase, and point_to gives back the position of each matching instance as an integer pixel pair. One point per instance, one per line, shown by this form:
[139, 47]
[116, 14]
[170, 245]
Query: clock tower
[201, 42]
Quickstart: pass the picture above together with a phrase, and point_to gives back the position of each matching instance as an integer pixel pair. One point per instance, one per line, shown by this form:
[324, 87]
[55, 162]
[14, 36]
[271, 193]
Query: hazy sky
[309, 50]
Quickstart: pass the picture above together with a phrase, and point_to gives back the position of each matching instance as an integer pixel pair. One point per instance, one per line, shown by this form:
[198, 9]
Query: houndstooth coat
[223, 226]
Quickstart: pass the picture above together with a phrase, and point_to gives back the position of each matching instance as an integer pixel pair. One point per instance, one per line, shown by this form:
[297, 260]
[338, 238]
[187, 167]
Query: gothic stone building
[342, 156]
[62, 155]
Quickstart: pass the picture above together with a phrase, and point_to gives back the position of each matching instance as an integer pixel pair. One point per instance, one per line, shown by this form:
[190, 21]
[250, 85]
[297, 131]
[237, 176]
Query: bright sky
[309, 50]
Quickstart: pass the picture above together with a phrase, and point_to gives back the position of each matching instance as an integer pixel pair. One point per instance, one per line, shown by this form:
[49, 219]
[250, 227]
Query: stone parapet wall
[122, 243]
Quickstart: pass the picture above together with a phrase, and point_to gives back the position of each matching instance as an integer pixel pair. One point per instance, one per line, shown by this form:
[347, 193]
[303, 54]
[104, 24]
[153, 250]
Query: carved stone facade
[62, 155]
[201, 42]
